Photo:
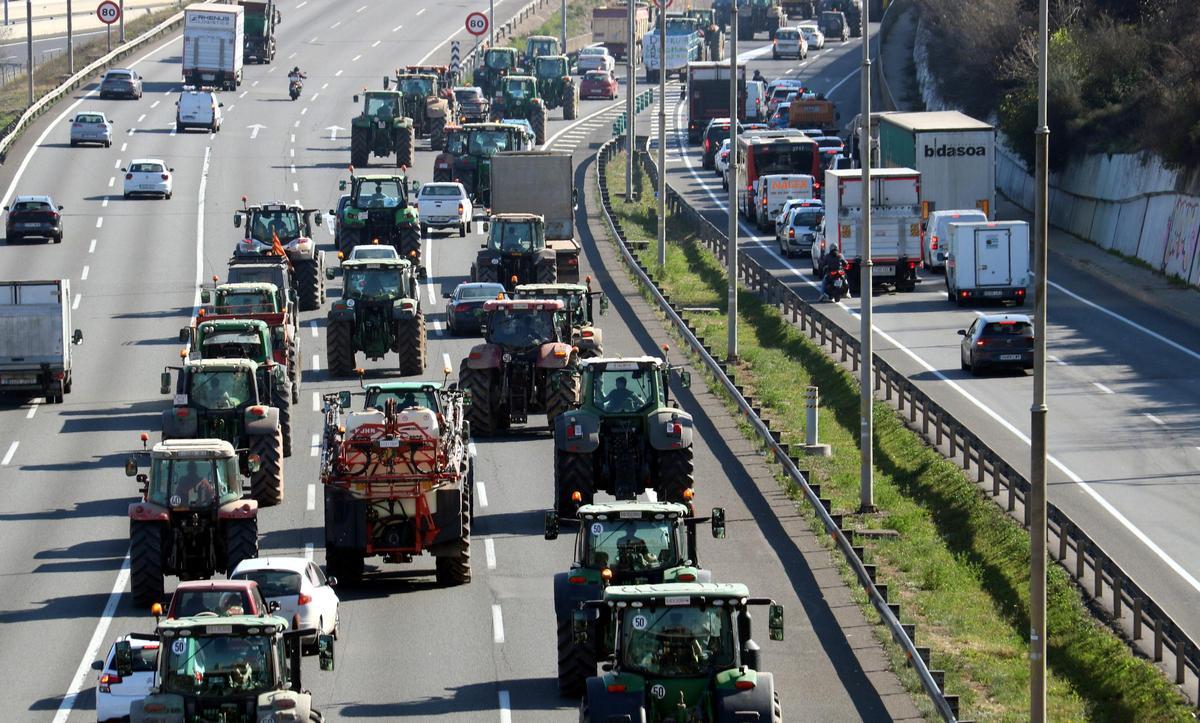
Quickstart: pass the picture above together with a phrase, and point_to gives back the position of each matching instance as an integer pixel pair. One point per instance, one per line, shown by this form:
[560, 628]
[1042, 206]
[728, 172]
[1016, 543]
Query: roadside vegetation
[579, 21]
[958, 565]
[1122, 73]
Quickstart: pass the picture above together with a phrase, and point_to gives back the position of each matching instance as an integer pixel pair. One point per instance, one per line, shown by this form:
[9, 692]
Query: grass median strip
[954, 561]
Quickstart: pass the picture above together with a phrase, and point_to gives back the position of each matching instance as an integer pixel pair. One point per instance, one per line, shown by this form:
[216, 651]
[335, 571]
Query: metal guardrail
[918, 658]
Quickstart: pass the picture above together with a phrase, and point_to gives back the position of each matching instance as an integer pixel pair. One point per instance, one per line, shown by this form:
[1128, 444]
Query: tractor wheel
[145, 562]
[411, 343]
[437, 134]
[562, 397]
[456, 569]
[547, 273]
[776, 708]
[406, 140]
[674, 474]
[489, 273]
[410, 243]
[339, 348]
[266, 485]
[576, 663]
[485, 407]
[360, 147]
[241, 542]
[308, 283]
[294, 372]
[570, 101]
[572, 473]
[537, 119]
[281, 398]
[346, 565]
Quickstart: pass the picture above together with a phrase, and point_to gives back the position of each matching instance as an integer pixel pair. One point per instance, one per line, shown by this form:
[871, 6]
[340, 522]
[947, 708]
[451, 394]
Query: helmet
[296, 69]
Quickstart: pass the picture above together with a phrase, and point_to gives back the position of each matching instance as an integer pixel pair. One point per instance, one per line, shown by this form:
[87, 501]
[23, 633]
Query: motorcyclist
[758, 76]
[296, 80]
[832, 261]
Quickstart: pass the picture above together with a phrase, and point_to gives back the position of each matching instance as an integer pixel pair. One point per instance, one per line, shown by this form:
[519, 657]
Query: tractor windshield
[218, 666]
[630, 545]
[245, 302]
[382, 106]
[676, 642]
[379, 194]
[498, 60]
[191, 483]
[456, 143]
[519, 89]
[521, 328]
[551, 68]
[488, 143]
[284, 224]
[373, 284]
[417, 86]
[406, 399]
[515, 238]
[542, 46]
[232, 345]
[218, 389]
[624, 388]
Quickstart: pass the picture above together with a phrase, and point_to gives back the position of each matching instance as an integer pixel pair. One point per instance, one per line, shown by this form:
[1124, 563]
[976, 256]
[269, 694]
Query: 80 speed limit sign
[477, 24]
[109, 12]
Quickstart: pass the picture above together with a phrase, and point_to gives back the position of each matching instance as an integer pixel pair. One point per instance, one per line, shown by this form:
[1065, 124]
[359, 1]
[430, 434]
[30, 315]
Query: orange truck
[813, 113]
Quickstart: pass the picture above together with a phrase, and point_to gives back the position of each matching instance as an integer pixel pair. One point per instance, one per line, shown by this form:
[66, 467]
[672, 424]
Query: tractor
[579, 319]
[759, 16]
[537, 46]
[556, 85]
[228, 668]
[627, 435]
[515, 252]
[274, 270]
[292, 227]
[380, 209]
[682, 651]
[379, 312]
[523, 366]
[258, 300]
[497, 63]
[381, 130]
[423, 102]
[192, 520]
[469, 151]
[518, 99]
[230, 399]
[714, 37]
[620, 543]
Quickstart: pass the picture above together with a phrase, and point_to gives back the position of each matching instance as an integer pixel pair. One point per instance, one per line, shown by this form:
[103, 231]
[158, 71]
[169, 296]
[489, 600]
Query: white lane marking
[398, 27]
[295, 187]
[292, 152]
[1102, 388]
[99, 222]
[427, 252]
[296, 124]
[324, 86]
[331, 27]
[201, 195]
[83, 276]
[104, 203]
[364, 7]
[471, 450]
[311, 503]
[117, 164]
[376, 43]
[316, 362]
[489, 552]
[481, 492]
[505, 707]
[789, 71]
[605, 109]
[1152, 334]
[315, 447]
[255, 83]
[32, 411]
[1056, 360]
[314, 96]
[497, 624]
[337, 74]
[243, 94]
[75, 303]
[1154, 419]
[314, 38]
[839, 84]
[130, 132]
[438, 327]
[304, 110]
[12, 449]
[85, 663]
[308, 551]
[123, 147]
[356, 58]
[155, 104]
[316, 402]
[292, 168]
[92, 247]
[141, 118]
[313, 326]
[302, 4]
[446, 361]
[420, 12]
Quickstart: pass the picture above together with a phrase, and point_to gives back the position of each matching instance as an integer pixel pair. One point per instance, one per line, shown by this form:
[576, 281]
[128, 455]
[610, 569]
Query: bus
[774, 152]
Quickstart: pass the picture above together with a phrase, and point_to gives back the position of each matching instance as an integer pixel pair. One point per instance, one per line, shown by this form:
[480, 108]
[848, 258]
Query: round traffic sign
[109, 12]
[477, 24]
[663, 3]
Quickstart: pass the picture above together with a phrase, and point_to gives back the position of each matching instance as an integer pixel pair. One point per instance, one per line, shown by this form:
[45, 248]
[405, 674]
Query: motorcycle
[295, 87]
[835, 285]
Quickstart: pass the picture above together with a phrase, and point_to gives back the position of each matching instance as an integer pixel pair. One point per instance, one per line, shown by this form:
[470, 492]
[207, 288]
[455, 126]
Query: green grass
[579, 21]
[959, 566]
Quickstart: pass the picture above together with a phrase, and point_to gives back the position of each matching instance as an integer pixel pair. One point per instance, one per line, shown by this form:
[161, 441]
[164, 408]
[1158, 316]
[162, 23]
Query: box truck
[988, 261]
[708, 95]
[260, 20]
[36, 338]
[955, 154]
[895, 225]
[541, 182]
[213, 45]
[610, 28]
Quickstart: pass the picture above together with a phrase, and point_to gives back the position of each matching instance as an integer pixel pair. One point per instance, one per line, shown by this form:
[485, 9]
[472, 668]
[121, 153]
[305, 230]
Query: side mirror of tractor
[718, 523]
[77, 337]
[579, 627]
[344, 399]
[685, 379]
[356, 97]
[237, 220]
[416, 187]
[131, 467]
[319, 219]
[329, 272]
[486, 226]
[165, 383]
[551, 525]
[205, 296]
[325, 651]
[386, 83]
[775, 621]
[123, 658]
[603, 304]
[185, 334]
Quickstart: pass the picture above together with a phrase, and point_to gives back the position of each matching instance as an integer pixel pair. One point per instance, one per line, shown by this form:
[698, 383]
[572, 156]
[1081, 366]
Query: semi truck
[708, 95]
[261, 17]
[988, 261]
[610, 28]
[684, 45]
[213, 45]
[895, 225]
[542, 183]
[36, 338]
[954, 153]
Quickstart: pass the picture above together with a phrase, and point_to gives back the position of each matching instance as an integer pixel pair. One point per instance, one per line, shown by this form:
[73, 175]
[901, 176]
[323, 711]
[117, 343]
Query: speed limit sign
[109, 12]
[662, 3]
[477, 24]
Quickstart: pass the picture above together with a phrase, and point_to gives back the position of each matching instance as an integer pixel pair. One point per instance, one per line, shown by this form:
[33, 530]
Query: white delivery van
[774, 190]
[988, 261]
[935, 240]
[198, 109]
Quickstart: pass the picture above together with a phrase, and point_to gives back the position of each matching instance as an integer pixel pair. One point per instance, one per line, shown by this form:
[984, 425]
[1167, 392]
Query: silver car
[595, 57]
[91, 127]
[121, 83]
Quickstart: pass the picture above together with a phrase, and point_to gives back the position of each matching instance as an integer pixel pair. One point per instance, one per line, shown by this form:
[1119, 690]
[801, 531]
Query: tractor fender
[360, 121]
[605, 706]
[256, 425]
[484, 356]
[732, 704]
[404, 309]
[595, 341]
[274, 700]
[402, 123]
[180, 422]
[301, 249]
[345, 520]
[657, 424]
[567, 596]
[444, 161]
[243, 509]
[446, 508]
[148, 512]
[341, 314]
[585, 443]
[169, 706]
[555, 355]
[407, 215]
[436, 108]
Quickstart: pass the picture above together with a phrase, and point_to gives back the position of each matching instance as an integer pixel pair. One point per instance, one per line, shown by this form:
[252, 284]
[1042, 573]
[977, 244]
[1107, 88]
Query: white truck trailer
[988, 261]
[213, 45]
[36, 338]
[895, 225]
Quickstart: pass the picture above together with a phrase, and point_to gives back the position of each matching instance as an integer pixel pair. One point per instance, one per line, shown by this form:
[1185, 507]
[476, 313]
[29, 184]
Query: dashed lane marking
[489, 552]
[481, 492]
[497, 624]
[32, 411]
[316, 402]
[1102, 388]
[315, 447]
[311, 503]
[12, 449]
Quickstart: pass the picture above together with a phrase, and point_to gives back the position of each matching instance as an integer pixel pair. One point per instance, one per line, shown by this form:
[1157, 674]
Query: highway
[1124, 400]
[407, 647]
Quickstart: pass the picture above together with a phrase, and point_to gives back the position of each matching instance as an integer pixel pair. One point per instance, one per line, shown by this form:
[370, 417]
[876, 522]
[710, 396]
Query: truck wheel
[572, 473]
[410, 243]
[346, 565]
[339, 348]
[674, 474]
[537, 119]
[410, 345]
[360, 147]
[437, 134]
[562, 397]
[281, 398]
[456, 569]
[241, 542]
[547, 272]
[145, 562]
[570, 101]
[484, 409]
[406, 140]
[308, 281]
[576, 663]
[266, 485]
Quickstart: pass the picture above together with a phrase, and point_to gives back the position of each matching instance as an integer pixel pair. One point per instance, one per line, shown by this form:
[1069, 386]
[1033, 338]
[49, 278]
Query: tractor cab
[580, 317]
[407, 395]
[381, 105]
[551, 68]
[189, 475]
[374, 280]
[537, 46]
[232, 339]
[243, 298]
[500, 58]
[376, 192]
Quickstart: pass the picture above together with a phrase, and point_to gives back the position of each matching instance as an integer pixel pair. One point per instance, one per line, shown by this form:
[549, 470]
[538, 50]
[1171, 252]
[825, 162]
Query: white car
[444, 205]
[595, 58]
[114, 693]
[721, 159]
[789, 42]
[198, 109]
[300, 588]
[373, 251]
[814, 36]
[148, 177]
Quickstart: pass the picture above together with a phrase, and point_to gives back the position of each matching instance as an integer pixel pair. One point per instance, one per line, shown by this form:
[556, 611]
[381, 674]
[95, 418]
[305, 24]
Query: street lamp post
[70, 41]
[866, 492]
[630, 122]
[734, 181]
[29, 44]
[662, 135]
[564, 27]
[122, 22]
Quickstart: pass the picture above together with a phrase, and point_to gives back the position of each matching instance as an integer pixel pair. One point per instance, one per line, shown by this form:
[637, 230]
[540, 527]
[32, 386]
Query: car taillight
[462, 307]
[791, 233]
[933, 241]
[707, 145]
[304, 599]
[109, 679]
[76, 125]
[165, 177]
[54, 216]
[128, 176]
[981, 342]
[460, 209]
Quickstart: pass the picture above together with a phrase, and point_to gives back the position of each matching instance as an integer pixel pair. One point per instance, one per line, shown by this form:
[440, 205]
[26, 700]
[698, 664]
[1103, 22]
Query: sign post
[662, 130]
[109, 13]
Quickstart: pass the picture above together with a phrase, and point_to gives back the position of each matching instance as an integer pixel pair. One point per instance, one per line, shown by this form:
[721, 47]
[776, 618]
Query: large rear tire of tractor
[282, 400]
[537, 119]
[489, 273]
[572, 473]
[411, 343]
[570, 101]
[674, 474]
[346, 565]
[455, 569]
[410, 244]
[485, 407]
[360, 147]
[266, 485]
[308, 284]
[406, 140]
[294, 370]
[776, 708]
[241, 542]
[339, 348]
[576, 663]
[145, 562]
[437, 134]
[547, 272]
[561, 397]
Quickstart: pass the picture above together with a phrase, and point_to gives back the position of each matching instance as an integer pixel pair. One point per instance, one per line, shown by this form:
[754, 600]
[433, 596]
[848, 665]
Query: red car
[598, 84]
[223, 597]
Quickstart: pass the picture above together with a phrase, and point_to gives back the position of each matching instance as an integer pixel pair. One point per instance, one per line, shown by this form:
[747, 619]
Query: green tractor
[468, 155]
[556, 85]
[379, 312]
[497, 63]
[515, 252]
[537, 46]
[626, 436]
[293, 227]
[714, 37]
[579, 321]
[518, 99]
[620, 543]
[422, 100]
[379, 209]
[381, 130]
[681, 652]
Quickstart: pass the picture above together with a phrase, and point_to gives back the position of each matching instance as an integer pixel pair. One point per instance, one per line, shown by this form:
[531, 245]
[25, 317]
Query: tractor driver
[243, 664]
[632, 553]
[219, 390]
[377, 199]
[230, 604]
[190, 483]
[621, 398]
[677, 651]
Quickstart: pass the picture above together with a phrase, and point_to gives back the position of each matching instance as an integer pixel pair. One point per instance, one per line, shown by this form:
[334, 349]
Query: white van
[789, 42]
[988, 261]
[756, 101]
[774, 190]
[198, 109]
[935, 243]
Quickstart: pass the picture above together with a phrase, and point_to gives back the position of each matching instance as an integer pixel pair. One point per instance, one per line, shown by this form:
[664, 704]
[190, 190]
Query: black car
[473, 106]
[717, 131]
[121, 83]
[464, 310]
[36, 216]
[997, 340]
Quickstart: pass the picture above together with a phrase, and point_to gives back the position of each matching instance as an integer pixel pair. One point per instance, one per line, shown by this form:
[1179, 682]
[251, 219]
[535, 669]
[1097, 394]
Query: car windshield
[521, 328]
[448, 191]
[218, 666]
[488, 143]
[509, 237]
[416, 86]
[481, 292]
[232, 346]
[187, 603]
[631, 545]
[808, 219]
[245, 302]
[118, 75]
[31, 206]
[406, 399]
[621, 390]
[146, 168]
[271, 582]
[786, 34]
[596, 75]
[1008, 328]
[382, 106]
[187, 482]
[373, 284]
[676, 642]
[284, 224]
[384, 193]
[593, 51]
[221, 389]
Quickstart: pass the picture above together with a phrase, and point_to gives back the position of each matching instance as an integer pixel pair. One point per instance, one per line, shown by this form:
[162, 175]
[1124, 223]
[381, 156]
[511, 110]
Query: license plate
[146, 186]
[207, 76]
[18, 379]
[884, 271]
[31, 225]
[1010, 357]
[993, 292]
